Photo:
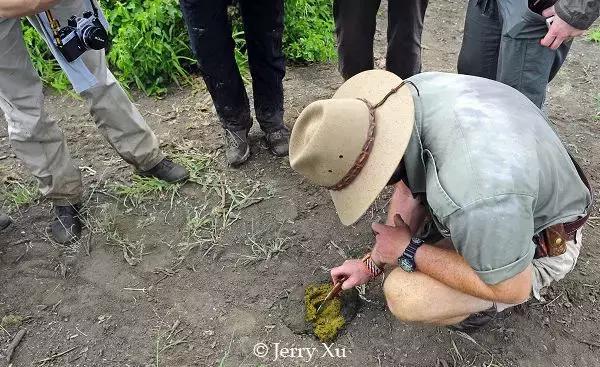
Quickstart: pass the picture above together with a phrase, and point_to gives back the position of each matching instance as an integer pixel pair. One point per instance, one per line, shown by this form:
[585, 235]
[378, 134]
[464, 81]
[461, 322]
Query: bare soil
[212, 309]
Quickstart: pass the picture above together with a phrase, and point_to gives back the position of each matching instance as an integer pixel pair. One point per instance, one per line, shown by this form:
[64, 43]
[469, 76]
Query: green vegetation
[144, 188]
[150, 46]
[594, 34]
[150, 43]
[15, 194]
[309, 30]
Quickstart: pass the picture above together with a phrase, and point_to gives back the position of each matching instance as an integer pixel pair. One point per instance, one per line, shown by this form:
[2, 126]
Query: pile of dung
[299, 310]
[329, 321]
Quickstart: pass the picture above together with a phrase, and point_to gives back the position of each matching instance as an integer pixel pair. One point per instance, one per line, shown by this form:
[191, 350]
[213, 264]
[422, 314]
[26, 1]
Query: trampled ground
[197, 275]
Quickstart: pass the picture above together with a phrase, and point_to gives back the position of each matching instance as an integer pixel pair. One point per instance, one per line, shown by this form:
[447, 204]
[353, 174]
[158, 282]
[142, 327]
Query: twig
[13, 345]
[52, 357]
[20, 242]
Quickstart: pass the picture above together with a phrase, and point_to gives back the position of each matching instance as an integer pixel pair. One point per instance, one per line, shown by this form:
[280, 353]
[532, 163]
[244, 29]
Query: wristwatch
[407, 260]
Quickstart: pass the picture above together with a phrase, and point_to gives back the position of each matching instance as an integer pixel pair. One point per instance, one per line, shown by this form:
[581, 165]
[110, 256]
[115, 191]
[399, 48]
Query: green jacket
[578, 13]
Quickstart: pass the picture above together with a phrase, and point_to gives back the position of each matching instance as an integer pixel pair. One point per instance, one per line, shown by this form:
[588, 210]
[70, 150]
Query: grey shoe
[66, 227]
[5, 221]
[238, 149]
[167, 170]
[278, 142]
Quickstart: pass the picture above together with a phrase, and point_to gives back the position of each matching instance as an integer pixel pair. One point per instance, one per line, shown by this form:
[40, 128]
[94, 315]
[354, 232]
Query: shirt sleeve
[578, 13]
[494, 235]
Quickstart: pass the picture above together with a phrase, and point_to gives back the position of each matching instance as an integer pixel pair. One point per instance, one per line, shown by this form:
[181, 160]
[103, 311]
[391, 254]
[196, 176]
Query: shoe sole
[243, 160]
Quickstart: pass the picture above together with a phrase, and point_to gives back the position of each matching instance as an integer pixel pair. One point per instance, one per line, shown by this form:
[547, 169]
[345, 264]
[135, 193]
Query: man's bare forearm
[21, 8]
[451, 269]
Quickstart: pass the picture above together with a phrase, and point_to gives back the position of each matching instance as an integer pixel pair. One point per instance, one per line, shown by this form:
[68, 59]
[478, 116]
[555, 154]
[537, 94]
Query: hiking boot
[238, 149]
[475, 321]
[167, 170]
[66, 227]
[278, 142]
[5, 221]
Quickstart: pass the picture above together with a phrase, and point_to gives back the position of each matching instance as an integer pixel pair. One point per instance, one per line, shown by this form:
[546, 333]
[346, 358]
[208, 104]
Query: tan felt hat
[336, 144]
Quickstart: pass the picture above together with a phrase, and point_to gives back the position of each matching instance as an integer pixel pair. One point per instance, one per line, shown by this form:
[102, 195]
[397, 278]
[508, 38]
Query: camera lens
[95, 37]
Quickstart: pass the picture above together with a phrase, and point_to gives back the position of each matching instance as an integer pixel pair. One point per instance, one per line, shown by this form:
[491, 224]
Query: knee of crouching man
[401, 302]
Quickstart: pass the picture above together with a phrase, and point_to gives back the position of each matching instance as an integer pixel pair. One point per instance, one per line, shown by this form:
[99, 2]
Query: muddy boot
[278, 142]
[5, 221]
[238, 149]
[167, 170]
[475, 321]
[67, 225]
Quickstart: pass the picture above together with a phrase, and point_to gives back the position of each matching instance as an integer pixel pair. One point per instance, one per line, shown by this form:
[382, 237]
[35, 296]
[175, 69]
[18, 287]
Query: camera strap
[55, 25]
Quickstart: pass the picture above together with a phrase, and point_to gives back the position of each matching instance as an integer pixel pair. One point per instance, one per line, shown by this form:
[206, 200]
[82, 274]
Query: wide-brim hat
[337, 144]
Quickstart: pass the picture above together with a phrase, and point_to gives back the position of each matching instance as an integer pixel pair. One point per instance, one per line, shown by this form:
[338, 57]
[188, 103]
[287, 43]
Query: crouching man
[475, 163]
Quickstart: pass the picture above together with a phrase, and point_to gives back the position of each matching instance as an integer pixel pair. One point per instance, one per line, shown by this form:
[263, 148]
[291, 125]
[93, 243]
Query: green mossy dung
[330, 320]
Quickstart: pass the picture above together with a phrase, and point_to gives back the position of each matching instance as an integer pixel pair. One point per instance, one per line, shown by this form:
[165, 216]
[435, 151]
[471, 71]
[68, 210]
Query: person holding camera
[209, 28]
[522, 43]
[75, 31]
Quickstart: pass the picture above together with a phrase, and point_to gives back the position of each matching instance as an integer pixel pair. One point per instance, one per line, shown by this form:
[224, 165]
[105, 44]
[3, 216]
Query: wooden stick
[13, 345]
[42, 361]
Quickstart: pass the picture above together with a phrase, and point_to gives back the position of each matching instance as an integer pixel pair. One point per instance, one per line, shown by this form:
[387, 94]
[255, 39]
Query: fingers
[399, 222]
[338, 273]
[557, 42]
[350, 283]
[549, 12]
[378, 227]
[548, 39]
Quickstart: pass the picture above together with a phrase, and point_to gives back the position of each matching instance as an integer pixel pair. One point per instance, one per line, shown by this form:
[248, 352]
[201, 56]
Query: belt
[552, 241]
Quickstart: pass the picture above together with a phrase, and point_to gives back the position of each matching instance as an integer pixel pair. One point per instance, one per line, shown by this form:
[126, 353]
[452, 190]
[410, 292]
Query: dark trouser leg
[263, 26]
[481, 40]
[405, 26]
[524, 63]
[210, 37]
[355, 22]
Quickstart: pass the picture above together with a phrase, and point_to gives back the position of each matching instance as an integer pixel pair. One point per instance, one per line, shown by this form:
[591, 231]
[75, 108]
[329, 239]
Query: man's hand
[390, 241]
[354, 271]
[21, 8]
[559, 31]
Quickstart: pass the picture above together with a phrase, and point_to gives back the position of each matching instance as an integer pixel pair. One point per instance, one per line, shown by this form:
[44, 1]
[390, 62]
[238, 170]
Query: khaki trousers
[37, 139]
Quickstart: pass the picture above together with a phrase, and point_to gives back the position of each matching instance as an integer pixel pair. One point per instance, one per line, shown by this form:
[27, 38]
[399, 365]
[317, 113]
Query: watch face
[406, 265]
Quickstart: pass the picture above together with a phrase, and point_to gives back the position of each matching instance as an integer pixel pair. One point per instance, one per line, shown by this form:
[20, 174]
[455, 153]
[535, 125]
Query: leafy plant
[594, 34]
[43, 60]
[150, 43]
[309, 30]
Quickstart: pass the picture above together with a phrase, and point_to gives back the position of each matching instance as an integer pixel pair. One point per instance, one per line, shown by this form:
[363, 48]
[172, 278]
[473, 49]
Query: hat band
[360, 162]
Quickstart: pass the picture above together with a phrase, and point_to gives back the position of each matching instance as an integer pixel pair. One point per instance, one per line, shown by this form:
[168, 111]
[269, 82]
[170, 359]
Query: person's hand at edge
[559, 31]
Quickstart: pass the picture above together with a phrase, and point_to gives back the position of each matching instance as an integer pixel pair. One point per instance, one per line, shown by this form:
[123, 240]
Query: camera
[81, 34]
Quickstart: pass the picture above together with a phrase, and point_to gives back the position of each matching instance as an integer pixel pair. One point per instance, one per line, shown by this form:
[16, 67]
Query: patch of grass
[16, 194]
[594, 34]
[10, 321]
[262, 250]
[142, 189]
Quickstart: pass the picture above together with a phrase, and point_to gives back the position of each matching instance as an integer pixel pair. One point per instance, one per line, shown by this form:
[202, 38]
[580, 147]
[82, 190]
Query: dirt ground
[87, 305]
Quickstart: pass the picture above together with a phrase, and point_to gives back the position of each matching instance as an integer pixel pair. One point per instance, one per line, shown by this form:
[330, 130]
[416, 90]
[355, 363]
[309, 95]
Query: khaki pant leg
[116, 117]
[35, 138]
